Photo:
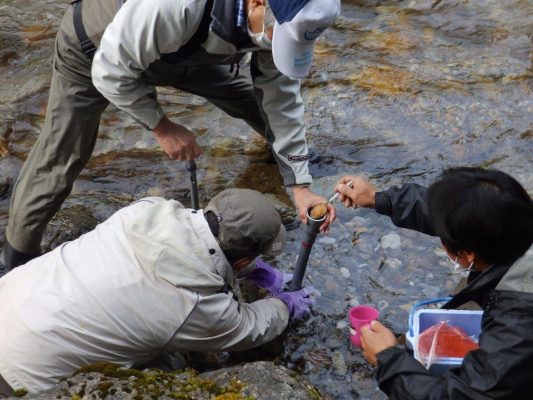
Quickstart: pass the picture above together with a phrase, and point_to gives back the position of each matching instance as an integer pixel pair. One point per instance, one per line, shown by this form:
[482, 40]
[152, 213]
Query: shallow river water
[399, 91]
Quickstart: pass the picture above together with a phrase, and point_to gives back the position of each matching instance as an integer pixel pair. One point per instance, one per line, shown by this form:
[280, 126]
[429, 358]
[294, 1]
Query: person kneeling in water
[154, 277]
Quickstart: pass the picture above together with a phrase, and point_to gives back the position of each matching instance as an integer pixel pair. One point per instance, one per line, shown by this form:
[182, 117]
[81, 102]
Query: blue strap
[240, 18]
[420, 304]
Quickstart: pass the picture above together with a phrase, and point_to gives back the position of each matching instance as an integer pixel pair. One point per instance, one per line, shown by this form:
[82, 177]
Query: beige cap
[249, 224]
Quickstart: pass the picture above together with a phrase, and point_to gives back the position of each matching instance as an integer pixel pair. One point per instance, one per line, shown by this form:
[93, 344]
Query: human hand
[266, 276]
[374, 339]
[176, 140]
[304, 199]
[361, 194]
[297, 302]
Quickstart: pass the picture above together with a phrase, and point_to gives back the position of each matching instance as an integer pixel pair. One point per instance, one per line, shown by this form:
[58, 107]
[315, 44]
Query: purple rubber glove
[266, 276]
[297, 302]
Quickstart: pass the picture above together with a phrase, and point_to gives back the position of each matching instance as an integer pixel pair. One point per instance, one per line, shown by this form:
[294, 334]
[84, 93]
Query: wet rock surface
[398, 91]
[68, 224]
[259, 380]
[264, 380]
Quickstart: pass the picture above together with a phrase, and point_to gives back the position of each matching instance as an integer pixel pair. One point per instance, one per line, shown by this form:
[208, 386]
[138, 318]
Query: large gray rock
[265, 381]
[258, 380]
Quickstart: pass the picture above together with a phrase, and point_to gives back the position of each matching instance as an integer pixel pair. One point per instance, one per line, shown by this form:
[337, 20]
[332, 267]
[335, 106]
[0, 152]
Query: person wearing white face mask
[459, 269]
[260, 25]
[119, 51]
[484, 219]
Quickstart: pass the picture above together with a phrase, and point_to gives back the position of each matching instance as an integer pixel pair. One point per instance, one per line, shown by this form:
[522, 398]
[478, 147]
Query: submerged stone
[391, 241]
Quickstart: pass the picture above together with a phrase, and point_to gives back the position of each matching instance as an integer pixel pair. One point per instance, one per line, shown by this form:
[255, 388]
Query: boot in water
[11, 258]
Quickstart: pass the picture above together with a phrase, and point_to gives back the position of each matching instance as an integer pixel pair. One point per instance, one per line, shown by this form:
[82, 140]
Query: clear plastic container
[423, 319]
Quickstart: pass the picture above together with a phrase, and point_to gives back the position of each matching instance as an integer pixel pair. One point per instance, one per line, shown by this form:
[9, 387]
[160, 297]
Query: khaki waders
[71, 127]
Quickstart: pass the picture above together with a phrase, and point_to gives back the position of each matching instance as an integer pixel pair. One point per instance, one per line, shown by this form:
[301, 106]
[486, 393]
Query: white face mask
[260, 39]
[459, 269]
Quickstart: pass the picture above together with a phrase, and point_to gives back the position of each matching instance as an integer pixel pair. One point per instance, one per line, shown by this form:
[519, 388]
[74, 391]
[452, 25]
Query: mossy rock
[252, 381]
[68, 224]
[108, 381]
[265, 380]
[20, 392]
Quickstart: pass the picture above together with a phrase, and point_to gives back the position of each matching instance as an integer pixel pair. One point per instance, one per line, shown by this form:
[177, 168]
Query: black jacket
[502, 368]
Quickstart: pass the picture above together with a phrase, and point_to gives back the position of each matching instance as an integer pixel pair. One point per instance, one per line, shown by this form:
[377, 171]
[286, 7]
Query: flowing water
[399, 90]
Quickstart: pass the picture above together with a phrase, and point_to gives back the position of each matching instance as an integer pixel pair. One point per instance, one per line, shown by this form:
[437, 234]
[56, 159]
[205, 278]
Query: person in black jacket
[484, 219]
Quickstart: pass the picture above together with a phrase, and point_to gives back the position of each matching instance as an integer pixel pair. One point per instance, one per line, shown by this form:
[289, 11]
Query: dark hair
[484, 211]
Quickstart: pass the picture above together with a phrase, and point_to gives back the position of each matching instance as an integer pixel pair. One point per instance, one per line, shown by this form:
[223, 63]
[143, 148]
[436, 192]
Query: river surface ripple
[399, 91]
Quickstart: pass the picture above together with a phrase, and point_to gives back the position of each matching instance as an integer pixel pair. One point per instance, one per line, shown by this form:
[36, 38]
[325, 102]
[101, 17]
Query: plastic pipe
[311, 231]
[191, 168]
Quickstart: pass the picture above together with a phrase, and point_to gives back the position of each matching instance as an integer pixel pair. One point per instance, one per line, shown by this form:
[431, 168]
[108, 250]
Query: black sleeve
[401, 377]
[499, 369]
[407, 207]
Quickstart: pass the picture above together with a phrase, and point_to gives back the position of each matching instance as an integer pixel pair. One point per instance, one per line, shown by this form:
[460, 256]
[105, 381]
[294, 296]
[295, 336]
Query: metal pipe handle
[191, 168]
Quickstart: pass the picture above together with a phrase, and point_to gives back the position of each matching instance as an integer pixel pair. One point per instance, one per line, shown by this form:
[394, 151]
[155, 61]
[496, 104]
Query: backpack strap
[87, 46]
[199, 37]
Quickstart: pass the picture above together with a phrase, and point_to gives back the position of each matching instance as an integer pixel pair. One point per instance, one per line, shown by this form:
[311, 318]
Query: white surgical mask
[260, 39]
[459, 269]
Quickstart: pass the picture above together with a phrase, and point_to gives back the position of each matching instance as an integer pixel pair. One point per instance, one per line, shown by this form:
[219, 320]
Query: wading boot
[11, 258]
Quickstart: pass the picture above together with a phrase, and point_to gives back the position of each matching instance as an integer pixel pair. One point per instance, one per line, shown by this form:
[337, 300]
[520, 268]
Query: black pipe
[310, 233]
[191, 168]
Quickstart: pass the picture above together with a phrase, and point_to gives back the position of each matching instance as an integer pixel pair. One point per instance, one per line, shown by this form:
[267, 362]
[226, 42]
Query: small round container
[315, 218]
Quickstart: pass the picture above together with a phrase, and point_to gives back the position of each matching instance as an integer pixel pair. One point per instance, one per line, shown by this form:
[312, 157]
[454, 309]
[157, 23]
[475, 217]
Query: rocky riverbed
[399, 91]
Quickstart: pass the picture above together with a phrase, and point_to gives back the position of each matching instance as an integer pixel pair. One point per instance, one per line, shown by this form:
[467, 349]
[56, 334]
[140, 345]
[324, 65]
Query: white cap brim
[292, 58]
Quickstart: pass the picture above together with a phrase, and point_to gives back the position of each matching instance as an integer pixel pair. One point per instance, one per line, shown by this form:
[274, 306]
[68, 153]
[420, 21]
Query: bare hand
[304, 199]
[176, 140]
[363, 193]
[376, 338]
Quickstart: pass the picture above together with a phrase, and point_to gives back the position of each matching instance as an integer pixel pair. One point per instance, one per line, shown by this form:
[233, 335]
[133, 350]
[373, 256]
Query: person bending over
[118, 51]
[153, 277]
[484, 219]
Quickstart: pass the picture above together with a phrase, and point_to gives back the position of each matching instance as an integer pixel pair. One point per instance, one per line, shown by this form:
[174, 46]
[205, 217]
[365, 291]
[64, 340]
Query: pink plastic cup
[360, 316]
